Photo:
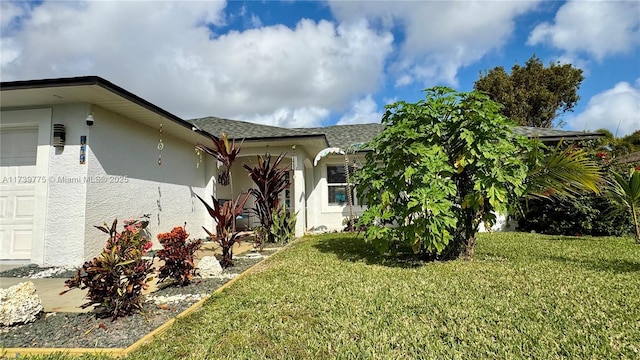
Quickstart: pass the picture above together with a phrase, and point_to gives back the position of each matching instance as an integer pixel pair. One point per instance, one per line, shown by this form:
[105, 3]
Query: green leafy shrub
[588, 214]
[115, 279]
[441, 167]
[283, 227]
[352, 224]
[583, 214]
[178, 256]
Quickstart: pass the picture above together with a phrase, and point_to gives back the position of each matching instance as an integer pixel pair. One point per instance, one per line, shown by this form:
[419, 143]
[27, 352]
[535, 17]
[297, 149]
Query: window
[337, 185]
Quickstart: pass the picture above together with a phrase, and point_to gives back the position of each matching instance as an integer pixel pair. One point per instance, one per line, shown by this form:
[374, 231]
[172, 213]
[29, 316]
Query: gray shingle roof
[632, 158]
[242, 129]
[343, 136]
[553, 134]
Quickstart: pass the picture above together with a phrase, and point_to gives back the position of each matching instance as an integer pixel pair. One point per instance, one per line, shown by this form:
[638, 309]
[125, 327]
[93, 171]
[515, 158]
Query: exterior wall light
[58, 135]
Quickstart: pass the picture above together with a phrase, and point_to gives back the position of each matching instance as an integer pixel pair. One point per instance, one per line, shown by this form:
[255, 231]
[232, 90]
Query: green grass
[332, 296]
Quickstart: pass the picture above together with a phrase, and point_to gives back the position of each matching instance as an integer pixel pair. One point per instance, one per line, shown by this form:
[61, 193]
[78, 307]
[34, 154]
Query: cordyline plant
[224, 151]
[178, 256]
[224, 216]
[270, 181]
[116, 278]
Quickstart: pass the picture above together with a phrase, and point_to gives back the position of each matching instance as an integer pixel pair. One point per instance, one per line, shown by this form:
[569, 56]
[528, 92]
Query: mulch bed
[85, 330]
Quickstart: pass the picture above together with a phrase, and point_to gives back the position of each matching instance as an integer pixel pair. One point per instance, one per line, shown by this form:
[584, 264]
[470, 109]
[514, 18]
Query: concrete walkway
[49, 289]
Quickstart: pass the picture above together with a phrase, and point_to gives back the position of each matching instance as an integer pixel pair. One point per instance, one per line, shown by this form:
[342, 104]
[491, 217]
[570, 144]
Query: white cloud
[439, 36]
[255, 21]
[292, 118]
[167, 53]
[363, 111]
[599, 28]
[616, 109]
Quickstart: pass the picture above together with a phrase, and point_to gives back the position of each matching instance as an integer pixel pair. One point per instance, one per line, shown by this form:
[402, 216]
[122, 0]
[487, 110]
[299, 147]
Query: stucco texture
[127, 181]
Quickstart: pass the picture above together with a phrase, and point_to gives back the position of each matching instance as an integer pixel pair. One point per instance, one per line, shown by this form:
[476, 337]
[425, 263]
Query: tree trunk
[469, 248]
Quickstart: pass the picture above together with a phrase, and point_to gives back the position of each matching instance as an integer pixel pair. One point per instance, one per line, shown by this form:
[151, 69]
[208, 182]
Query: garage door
[17, 163]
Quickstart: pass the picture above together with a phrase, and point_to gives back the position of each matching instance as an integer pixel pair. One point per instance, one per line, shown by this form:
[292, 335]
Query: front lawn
[331, 296]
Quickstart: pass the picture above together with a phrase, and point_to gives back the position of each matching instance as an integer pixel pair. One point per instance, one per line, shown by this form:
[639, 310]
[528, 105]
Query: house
[79, 152]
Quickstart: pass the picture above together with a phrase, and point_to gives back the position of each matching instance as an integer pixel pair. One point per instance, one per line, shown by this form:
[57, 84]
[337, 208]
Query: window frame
[344, 185]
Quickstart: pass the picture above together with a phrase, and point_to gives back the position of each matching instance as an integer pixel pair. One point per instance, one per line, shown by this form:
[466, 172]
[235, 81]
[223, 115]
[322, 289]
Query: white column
[299, 196]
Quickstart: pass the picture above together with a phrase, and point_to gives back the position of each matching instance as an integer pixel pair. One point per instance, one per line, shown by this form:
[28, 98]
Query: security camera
[90, 119]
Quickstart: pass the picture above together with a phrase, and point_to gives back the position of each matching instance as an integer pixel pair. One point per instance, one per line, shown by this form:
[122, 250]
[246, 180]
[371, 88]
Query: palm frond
[626, 192]
[561, 173]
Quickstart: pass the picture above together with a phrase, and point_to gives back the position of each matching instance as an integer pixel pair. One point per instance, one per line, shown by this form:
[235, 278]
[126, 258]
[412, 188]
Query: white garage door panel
[24, 207]
[16, 242]
[17, 161]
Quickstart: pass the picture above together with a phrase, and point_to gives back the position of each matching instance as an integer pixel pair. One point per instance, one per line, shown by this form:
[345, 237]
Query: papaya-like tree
[441, 167]
[447, 164]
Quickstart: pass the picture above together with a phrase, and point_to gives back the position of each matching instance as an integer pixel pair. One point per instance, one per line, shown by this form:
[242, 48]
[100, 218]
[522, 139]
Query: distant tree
[620, 146]
[533, 95]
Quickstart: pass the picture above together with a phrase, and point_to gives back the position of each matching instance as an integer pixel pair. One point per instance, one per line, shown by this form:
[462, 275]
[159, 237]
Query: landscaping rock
[19, 304]
[209, 267]
[319, 230]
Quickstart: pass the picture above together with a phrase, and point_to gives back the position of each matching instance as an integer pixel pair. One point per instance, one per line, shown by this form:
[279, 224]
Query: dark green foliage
[441, 167]
[618, 147]
[533, 95]
[270, 181]
[352, 224]
[116, 278]
[589, 214]
[178, 256]
[283, 227]
[225, 215]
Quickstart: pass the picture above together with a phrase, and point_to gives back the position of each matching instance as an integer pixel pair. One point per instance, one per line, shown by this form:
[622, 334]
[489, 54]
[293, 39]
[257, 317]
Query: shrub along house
[78, 152]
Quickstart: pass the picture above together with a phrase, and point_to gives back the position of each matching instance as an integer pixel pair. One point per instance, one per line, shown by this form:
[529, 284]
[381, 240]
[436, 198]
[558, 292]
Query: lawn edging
[116, 352]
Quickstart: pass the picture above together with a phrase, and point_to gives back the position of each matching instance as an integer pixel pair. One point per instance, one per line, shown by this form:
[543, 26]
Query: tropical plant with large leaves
[445, 165]
[626, 192]
[441, 167]
[270, 181]
[225, 151]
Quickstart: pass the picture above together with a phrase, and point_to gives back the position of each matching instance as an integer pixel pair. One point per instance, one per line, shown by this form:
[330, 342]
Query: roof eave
[105, 84]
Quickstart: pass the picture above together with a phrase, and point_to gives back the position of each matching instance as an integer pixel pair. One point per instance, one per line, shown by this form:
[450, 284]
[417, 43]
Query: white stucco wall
[122, 160]
[65, 226]
[325, 216]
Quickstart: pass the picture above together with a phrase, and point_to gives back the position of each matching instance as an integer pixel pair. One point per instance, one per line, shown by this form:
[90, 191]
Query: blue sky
[308, 63]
